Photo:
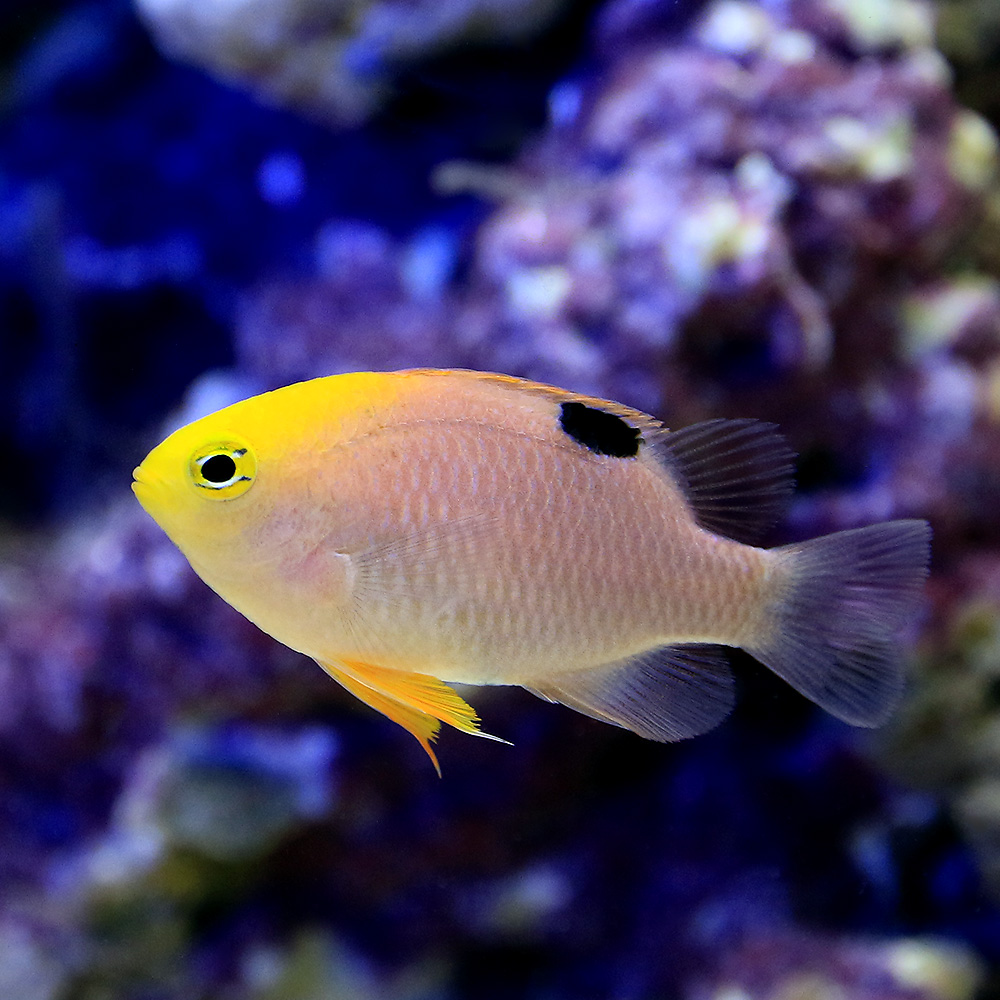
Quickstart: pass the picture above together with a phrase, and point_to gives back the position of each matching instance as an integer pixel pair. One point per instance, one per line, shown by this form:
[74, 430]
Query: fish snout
[142, 485]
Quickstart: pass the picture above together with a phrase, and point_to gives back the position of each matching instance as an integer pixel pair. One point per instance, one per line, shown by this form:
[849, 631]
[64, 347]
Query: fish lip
[138, 482]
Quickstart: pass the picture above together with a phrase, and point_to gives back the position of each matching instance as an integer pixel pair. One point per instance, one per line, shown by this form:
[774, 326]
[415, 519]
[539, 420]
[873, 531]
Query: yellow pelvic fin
[417, 702]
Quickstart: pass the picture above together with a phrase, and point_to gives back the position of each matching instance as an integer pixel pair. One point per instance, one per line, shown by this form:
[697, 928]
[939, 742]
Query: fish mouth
[140, 486]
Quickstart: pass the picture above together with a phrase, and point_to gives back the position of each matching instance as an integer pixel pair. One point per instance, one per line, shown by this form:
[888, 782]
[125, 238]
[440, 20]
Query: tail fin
[844, 598]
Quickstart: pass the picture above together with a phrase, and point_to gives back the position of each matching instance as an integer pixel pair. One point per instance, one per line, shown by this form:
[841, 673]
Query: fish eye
[218, 469]
[224, 469]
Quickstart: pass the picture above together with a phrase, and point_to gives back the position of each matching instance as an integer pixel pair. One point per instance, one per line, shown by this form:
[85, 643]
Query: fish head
[214, 487]
[255, 490]
[267, 499]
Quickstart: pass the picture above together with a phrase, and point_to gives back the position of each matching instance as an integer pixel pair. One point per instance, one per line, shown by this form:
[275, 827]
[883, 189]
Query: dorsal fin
[647, 426]
[735, 473]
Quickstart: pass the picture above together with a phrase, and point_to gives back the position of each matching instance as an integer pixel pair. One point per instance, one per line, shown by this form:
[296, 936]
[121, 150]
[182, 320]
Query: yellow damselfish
[408, 529]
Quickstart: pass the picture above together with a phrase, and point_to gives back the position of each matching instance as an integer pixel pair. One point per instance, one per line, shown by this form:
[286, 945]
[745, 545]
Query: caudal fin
[840, 602]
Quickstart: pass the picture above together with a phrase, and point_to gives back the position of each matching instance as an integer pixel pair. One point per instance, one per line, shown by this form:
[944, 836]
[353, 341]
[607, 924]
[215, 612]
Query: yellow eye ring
[223, 470]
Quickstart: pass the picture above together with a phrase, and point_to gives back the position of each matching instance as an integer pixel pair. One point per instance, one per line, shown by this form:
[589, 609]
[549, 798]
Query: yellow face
[198, 485]
[256, 496]
[244, 486]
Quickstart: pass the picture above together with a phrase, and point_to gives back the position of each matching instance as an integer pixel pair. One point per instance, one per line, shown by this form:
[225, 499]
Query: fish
[418, 529]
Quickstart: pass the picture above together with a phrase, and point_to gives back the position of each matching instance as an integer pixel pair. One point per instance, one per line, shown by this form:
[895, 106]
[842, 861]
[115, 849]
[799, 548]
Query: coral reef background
[787, 209]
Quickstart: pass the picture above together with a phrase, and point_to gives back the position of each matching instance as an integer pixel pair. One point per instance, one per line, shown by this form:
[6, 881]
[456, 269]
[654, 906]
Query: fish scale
[406, 529]
[564, 595]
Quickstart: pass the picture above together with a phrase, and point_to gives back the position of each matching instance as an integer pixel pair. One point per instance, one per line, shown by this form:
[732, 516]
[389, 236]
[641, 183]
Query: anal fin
[665, 694]
[417, 702]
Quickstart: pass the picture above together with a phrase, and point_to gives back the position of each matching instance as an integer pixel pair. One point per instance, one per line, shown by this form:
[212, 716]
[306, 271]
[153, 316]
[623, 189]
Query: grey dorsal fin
[666, 694]
[735, 473]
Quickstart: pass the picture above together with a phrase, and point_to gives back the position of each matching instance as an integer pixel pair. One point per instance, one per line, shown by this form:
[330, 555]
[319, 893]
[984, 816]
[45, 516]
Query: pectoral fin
[417, 702]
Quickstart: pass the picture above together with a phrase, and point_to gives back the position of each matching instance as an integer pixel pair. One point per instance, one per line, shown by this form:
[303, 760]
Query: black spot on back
[600, 431]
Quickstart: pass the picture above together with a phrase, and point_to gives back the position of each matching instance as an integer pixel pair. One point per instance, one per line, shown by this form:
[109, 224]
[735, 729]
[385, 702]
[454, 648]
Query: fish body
[410, 529]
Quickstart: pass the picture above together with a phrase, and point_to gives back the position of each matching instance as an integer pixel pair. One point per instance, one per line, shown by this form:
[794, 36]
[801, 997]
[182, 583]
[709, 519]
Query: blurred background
[784, 209]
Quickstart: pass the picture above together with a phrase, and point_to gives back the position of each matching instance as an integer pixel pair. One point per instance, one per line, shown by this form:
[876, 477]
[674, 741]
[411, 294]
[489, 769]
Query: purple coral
[737, 209]
[333, 60]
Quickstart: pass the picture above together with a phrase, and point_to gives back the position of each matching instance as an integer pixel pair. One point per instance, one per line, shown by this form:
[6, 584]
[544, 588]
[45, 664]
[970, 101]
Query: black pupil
[218, 469]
